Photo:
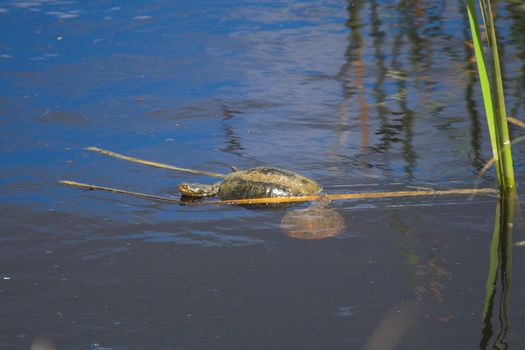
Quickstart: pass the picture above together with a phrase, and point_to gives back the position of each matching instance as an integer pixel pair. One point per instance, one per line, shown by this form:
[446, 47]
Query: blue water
[360, 96]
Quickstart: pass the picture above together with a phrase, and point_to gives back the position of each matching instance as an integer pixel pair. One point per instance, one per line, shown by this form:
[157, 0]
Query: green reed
[492, 91]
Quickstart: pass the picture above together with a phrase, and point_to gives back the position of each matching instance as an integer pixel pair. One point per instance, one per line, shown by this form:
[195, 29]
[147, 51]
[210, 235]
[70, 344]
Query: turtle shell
[265, 182]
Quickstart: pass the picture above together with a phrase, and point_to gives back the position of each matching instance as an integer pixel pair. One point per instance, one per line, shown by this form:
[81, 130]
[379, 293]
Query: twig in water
[150, 163]
[516, 122]
[115, 190]
[290, 199]
[493, 159]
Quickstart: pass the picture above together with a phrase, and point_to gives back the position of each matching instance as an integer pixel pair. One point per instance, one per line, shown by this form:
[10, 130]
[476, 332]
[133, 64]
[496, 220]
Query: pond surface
[363, 96]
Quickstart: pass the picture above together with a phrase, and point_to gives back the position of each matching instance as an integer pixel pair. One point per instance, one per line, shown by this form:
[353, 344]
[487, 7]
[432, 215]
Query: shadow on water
[499, 280]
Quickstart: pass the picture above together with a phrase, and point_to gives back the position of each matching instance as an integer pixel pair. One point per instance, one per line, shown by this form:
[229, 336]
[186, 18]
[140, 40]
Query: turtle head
[198, 190]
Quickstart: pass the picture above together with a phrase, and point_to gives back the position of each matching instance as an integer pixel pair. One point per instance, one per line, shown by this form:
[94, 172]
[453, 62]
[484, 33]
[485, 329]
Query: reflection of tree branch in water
[359, 74]
[407, 119]
[412, 18]
[387, 135]
[389, 131]
[233, 142]
[427, 276]
[516, 29]
[500, 259]
[412, 14]
[353, 57]
[380, 95]
[363, 105]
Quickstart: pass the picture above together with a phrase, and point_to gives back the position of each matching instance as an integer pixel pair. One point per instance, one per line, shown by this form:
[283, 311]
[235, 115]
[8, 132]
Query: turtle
[259, 182]
[314, 222]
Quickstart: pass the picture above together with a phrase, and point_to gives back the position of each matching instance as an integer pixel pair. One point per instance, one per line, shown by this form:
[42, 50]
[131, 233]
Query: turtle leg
[150, 163]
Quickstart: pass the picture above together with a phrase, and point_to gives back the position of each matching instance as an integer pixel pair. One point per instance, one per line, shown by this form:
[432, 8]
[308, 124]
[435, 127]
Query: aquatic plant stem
[278, 200]
[150, 163]
[483, 76]
[493, 97]
[501, 113]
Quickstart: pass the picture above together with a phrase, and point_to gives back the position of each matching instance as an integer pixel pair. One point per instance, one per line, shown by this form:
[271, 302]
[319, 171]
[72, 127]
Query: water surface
[360, 95]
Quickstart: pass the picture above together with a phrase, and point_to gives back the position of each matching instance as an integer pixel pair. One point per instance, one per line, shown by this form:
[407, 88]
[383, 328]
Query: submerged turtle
[261, 182]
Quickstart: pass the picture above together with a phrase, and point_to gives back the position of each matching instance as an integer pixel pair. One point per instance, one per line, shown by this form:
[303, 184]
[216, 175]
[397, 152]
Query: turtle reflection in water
[314, 222]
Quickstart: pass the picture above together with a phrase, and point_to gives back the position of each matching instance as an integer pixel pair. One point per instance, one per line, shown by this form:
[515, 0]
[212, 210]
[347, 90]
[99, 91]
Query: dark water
[361, 96]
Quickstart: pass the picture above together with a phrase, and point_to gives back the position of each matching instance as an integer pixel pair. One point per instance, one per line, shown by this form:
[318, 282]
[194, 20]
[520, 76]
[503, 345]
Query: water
[361, 96]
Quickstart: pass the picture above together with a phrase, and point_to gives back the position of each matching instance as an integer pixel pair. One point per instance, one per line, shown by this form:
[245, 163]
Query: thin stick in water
[362, 195]
[116, 190]
[291, 199]
[516, 122]
[151, 163]
[493, 159]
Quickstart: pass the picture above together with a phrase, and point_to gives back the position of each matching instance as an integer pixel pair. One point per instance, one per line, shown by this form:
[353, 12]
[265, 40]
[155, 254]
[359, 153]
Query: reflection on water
[406, 315]
[43, 343]
[387, 135]
[428, 276]
[497, 303]
[233, 141]
[394, 325]
[353, 61]
[315, 222]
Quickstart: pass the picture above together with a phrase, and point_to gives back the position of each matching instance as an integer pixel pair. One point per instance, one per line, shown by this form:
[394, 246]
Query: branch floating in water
[362, 195]
[116, 190]
[150, 163]
[278, 200]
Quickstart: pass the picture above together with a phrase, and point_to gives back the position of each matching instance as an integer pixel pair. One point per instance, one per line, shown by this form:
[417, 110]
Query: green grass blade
[502, 126]
[492, 92]
[483, 76]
